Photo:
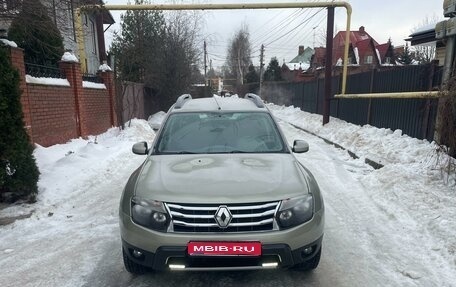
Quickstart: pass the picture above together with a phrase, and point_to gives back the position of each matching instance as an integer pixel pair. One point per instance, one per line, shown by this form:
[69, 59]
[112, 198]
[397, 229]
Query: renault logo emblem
[223, 216]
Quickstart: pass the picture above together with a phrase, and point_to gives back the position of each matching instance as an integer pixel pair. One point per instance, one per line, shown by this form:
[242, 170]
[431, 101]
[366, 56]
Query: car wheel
[309, 264]
[131, 266]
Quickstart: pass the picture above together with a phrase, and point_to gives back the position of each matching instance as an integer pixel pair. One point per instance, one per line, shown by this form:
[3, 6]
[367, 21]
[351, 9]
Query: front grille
[249, 217]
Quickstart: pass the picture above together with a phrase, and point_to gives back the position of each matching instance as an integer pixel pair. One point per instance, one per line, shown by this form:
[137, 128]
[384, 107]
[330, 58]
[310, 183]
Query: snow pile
[91, 85]
[69, 57]
[47, 81]
[156, 119]
[79, 191]
[8, 43]
[412, 188]
[104, 68]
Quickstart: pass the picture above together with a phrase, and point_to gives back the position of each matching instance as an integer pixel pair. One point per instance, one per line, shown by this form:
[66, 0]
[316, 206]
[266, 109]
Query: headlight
[295, 211]
[149, 213]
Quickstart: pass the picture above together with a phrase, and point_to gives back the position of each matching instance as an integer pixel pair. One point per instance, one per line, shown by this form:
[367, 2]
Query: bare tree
[158, 50]
[239, 55]
[425, 53]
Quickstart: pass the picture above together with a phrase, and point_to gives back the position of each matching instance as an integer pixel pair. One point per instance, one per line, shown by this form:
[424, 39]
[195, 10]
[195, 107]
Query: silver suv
[220, 189]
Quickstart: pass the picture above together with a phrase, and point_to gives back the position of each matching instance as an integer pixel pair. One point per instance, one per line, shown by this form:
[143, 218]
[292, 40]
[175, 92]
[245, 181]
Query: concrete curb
[375, 164]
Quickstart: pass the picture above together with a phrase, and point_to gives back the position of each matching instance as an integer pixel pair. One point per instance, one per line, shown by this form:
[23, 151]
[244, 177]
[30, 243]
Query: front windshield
[220, 132]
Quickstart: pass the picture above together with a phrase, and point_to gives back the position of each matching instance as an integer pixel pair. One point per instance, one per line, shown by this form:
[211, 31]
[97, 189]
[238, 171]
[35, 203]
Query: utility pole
[314, 36]
[328, 66]
[205, 64]
[261, 66]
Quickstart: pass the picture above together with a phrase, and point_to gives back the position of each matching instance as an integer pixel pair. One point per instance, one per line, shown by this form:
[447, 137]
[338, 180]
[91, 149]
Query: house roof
[355, 37]
[422, 36]
[304, 57]
[107, 16]
[383, 49]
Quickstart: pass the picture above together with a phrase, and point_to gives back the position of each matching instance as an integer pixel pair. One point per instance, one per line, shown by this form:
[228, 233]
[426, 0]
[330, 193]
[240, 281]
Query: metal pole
[261, 67]
[328, 66]
[205, 65]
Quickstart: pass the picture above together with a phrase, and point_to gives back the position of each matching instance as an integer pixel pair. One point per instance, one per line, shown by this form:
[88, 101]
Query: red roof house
[363, 51]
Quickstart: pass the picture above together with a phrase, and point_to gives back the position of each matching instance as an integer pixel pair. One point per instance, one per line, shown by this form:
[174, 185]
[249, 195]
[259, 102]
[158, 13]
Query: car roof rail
[181, 100]
[255, 99]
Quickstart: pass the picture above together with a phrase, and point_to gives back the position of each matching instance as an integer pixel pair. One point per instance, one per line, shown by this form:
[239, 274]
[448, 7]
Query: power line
[305, 21]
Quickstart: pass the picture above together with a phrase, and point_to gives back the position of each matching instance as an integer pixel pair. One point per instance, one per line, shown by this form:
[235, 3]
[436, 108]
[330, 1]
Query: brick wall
[56, 114]
[53, 114]
[96, 109]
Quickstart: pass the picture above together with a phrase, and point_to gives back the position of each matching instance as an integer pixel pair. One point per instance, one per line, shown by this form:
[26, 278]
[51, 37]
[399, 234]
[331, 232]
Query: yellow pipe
[347, 42]
[80, 40]
[401, 95]
[231, 6]
[343, 4]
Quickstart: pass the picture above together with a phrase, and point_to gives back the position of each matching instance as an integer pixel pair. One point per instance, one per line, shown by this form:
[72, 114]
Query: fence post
[72, 72]
[371, 89]
[108, 80]
[427, 108]
[17, 61]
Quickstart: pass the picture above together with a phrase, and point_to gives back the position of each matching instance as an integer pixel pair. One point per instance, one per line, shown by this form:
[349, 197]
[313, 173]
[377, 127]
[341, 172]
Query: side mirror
[300, 146]
[140, 148]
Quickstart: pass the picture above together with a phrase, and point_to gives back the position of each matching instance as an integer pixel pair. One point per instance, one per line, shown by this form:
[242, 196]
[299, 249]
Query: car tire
[309, 264]
[131, 266]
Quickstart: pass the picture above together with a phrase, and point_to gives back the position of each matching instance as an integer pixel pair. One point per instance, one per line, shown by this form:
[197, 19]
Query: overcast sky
[282, 31]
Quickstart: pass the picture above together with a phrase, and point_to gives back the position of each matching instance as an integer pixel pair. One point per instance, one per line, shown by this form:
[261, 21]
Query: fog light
[176, 266]
[307, 251]
[270, 265]
[137, 253]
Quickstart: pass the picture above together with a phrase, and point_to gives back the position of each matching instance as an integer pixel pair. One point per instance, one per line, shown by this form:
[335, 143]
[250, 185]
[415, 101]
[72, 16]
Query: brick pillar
[73, 74]
[108, 80]
[17, 61]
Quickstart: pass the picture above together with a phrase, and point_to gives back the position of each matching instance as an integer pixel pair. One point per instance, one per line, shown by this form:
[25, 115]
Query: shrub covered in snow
[18, 170]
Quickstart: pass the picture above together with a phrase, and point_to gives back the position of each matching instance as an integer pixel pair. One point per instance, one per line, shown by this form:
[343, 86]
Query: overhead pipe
[238, 6]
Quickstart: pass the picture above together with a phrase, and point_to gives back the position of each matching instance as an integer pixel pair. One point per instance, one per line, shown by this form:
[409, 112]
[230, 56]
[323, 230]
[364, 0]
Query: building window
[368, 60]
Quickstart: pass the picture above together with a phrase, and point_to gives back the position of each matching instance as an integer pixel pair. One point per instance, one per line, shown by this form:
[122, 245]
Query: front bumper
[150, 240]
[166, 257]
[160, 249]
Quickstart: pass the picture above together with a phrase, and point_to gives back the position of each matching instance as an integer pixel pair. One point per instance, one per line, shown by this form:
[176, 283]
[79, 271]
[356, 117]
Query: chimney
[361, 29]
[301, 50]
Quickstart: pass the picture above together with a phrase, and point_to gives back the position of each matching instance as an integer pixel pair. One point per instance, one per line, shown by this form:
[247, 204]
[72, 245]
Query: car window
[220, 132]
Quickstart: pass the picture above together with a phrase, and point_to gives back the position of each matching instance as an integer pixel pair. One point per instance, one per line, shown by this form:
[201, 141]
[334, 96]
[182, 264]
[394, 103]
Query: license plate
[219, 248]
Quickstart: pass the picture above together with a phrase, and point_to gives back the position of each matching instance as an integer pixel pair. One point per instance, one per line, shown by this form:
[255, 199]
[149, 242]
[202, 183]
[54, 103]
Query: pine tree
[273, 71]
[406, 58]
[34, 31]
[18, 171]
[252, 76]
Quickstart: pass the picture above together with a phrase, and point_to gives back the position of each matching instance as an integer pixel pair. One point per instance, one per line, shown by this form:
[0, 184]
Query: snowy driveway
[72, 238]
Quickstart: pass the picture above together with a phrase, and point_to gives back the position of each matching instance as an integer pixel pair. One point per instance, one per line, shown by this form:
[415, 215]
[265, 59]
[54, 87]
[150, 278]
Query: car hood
[221, 178]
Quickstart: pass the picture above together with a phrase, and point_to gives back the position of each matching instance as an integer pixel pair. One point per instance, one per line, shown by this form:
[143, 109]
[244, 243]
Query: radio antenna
[215, 99]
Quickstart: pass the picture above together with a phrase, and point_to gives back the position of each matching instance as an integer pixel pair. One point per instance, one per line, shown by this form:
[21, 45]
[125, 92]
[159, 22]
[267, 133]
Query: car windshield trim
[220, 132]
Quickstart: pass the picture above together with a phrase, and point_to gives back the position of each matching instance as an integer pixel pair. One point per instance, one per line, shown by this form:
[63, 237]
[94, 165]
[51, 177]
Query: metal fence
[92, 78]
[415, 117]
[40, 71]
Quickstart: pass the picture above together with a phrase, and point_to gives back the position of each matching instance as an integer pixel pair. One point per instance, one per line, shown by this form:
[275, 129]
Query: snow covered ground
[395, 226]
